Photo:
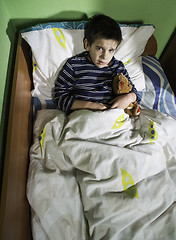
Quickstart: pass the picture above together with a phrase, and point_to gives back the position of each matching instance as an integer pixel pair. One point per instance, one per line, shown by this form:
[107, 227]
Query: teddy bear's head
[121, 84]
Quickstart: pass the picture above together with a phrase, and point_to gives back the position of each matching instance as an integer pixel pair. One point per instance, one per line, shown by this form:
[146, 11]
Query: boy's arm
[63, 93]
[122, 101]
[79, 104]
[63, 96]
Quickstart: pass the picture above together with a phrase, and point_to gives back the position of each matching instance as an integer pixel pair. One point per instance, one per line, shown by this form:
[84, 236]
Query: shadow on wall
[62, 16]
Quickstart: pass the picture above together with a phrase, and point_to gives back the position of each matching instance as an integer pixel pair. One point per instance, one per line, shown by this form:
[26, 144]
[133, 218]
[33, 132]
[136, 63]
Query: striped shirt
[80, 79]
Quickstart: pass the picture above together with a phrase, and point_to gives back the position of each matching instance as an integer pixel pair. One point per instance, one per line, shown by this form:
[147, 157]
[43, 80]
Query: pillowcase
[158, 93]
[53, 43]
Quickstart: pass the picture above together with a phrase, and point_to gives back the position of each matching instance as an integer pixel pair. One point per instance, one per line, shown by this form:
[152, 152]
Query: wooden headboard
[15, 210]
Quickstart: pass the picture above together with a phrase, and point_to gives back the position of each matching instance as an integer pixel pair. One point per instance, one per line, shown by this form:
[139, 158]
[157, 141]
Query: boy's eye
[100, 48]
[111, 50]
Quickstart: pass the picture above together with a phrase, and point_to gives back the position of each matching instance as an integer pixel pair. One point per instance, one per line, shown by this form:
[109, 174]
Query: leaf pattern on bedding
[119, 122]
[128, 184]
[34, 65]
[42, 138]
[59, 37]
[153, 135]
[127, 62]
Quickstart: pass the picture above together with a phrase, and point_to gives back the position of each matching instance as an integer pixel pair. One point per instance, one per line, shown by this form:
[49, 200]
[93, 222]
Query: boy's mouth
[101, 63]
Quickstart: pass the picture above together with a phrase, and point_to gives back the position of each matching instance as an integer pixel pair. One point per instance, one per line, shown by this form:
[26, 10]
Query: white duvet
[102, 175]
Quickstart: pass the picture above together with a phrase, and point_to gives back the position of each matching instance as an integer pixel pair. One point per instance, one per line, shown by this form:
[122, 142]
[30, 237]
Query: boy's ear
[86, 44]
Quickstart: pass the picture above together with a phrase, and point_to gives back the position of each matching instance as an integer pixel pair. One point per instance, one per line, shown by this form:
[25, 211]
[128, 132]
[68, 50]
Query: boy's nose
[104, 55]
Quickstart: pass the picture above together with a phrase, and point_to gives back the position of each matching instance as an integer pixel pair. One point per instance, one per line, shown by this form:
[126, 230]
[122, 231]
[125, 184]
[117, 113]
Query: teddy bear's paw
[137, 113]
[137, 110]
[130, 106]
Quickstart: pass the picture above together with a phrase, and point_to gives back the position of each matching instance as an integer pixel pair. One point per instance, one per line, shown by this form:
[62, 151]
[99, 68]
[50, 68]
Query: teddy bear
[121, 85]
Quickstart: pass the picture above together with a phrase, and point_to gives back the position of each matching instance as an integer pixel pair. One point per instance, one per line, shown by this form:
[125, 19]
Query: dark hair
[101, 26]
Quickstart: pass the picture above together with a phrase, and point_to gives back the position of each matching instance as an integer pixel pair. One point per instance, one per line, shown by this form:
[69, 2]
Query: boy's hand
[123, 101]
[96, 106]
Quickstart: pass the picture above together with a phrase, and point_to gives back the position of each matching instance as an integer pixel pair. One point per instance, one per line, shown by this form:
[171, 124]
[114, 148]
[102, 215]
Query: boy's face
[101, 51]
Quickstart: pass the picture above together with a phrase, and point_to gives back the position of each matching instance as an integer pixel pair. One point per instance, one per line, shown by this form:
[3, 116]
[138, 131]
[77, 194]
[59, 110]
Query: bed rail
[15, 213]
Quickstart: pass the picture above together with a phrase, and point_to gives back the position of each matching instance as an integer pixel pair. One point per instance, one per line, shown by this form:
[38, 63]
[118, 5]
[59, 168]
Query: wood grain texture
[151, 47]
[15, 214]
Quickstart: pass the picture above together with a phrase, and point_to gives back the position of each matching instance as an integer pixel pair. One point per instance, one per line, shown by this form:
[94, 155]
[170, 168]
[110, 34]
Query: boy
[85, 82]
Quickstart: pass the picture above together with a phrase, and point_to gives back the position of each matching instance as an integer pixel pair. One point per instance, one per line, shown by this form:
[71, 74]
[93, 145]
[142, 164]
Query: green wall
[161, 13]
[5, 50]
[15, 15]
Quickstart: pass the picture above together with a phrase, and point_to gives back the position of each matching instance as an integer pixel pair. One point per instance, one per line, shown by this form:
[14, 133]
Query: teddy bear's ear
[121, 84]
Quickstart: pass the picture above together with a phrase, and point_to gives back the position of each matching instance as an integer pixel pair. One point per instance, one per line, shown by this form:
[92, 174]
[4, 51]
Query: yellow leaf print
[59, 37]
[153, 135]
[128, 61]
[35, 66]
[42, 138]
[119, 122]
[128, 184]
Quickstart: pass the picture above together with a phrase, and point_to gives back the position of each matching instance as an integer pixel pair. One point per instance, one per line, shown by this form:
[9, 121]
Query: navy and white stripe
[81, 79]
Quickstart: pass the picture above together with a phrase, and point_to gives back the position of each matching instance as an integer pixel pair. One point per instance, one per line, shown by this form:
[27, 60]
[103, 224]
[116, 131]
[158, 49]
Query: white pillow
[130, 51]
[53, 43]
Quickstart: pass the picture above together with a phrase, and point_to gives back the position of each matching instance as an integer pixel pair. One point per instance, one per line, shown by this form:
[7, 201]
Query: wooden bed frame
[14, 209]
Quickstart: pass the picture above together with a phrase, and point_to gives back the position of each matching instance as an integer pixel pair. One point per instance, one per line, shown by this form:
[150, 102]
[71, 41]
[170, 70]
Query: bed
[127, 196]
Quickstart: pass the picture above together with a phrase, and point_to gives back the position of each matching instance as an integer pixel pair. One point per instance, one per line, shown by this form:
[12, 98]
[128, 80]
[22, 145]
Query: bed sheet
[115, 173]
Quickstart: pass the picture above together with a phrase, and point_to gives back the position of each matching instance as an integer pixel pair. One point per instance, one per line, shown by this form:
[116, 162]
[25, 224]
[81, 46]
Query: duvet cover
[103, 175]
